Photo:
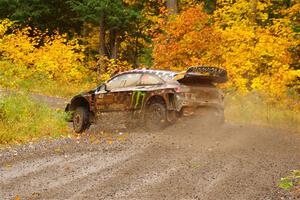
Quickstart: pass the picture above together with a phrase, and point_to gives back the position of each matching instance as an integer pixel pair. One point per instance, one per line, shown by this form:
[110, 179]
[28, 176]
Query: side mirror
[106, 87]
[102, 89]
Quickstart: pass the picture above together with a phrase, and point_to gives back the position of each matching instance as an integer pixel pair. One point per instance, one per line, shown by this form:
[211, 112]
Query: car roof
[164, 74]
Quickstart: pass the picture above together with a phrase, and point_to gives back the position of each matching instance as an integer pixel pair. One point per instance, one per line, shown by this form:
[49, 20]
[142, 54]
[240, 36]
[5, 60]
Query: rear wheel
[81, 119]
[156, 116]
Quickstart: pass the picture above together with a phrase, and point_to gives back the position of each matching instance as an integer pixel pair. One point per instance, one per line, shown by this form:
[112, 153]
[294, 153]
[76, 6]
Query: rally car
[151, 98]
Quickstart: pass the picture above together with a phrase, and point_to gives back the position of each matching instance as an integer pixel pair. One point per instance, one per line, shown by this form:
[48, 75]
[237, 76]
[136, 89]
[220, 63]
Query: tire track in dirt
[36, 165]
[55, 174]
[229, 163]
[112, 180]
[188, 160]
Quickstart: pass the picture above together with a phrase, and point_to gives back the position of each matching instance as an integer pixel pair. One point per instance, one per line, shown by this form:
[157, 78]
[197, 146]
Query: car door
[149, 82]
[118, 93]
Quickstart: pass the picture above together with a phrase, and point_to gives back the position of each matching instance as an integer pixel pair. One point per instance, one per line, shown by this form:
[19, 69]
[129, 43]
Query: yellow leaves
[4, 26]
[241, 12]
[57, 59]
[256, 57]
[7, 166]
[61, 60]
[130, 2]
[108, 67]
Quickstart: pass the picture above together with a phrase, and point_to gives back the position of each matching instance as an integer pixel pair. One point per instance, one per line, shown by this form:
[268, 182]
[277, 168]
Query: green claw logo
[137, 96]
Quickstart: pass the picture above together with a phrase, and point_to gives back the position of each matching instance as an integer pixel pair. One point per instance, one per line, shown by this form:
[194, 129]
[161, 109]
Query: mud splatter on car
[153, 98]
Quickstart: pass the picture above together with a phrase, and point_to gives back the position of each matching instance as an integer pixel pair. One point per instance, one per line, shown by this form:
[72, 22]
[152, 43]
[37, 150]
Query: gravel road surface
[185, 161]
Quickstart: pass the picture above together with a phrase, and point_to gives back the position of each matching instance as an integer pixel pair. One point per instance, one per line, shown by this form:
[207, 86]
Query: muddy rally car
[151, 98]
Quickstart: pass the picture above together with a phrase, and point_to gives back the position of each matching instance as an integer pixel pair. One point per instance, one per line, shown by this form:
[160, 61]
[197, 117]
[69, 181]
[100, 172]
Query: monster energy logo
[135, 99]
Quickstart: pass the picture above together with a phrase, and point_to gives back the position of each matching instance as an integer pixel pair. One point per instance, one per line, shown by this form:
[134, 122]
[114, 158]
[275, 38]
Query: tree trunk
[213, 5]
[172, 6]
[112, 39]
[114, 44]
[102, 51]
[253, 16]
[115, 50]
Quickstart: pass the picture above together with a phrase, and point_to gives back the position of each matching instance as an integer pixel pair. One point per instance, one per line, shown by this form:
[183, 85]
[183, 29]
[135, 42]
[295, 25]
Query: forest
[80, 41]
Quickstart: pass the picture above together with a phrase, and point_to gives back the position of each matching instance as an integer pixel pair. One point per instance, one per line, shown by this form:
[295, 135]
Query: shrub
[290, 181]
[31, 52]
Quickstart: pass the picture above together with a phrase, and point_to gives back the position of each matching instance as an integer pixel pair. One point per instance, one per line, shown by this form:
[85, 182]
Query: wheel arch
[78, 101]
[155, 99]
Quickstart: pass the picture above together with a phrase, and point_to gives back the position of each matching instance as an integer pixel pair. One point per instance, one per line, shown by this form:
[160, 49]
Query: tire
[156, 117]
[81, 119]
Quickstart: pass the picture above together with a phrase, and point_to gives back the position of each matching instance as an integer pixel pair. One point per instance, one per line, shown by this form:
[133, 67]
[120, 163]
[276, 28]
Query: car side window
[123, 81]
[149, 79]
[132, 80]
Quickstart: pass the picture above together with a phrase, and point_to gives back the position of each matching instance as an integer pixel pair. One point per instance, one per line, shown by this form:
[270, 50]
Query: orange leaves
[108, 67]
[257, 57]
[188, 39]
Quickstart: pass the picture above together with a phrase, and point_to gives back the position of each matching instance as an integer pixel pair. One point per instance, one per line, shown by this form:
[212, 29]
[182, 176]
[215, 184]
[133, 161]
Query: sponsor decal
[137, 99]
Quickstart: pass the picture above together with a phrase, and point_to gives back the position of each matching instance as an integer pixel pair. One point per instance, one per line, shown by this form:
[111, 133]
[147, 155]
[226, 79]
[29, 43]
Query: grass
[23, 120]
[254, 109]
[50, 87]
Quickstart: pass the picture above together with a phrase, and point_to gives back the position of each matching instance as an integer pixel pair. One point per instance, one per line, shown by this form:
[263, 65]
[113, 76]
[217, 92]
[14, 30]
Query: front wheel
[156, 116]
[81, 119]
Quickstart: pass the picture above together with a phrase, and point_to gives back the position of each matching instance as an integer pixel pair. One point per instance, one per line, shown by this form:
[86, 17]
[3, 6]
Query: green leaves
[45, 15]
[117, 14]
[285, 183]
[290, 181]
[23, 120]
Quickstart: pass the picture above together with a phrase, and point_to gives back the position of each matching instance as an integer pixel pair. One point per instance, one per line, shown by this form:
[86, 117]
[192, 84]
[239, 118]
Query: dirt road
[185, 161]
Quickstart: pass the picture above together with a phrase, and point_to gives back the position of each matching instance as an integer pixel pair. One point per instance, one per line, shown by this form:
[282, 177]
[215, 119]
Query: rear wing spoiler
[202, 74]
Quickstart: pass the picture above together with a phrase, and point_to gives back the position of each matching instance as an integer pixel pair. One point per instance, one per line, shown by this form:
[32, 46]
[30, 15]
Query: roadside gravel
[185, 161]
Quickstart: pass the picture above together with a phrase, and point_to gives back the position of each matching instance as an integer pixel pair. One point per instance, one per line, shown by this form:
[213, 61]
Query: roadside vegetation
[23, 120]
[255, 108]
[291, 183]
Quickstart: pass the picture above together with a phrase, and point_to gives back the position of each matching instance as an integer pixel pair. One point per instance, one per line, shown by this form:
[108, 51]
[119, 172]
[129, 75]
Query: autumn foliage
[188, 39]
[53, 57]
[256, 41]
[257, 57]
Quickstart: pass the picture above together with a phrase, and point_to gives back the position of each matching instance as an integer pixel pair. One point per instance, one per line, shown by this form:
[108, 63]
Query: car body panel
[191, 89]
